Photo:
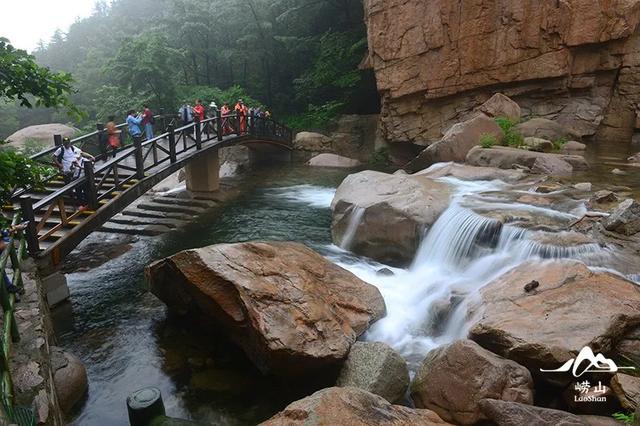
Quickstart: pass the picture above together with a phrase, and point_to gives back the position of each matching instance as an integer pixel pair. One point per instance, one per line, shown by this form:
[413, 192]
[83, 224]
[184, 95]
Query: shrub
[506, 124]
[511, 137]
[559, 143]
[487, 140]
[627, 419]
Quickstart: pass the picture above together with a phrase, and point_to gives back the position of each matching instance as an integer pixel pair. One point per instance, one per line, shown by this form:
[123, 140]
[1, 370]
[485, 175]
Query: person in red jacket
[199, 113]
[198, 110]
[147, 122]
[242, 111]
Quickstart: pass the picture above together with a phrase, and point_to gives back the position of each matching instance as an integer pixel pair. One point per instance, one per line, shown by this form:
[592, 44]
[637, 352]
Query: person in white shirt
[69, 160]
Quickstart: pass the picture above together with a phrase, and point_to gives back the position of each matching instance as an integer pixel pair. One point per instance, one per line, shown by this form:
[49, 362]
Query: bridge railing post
[57, 140]
[137, 143]
[163, 124]
[219, 124]
[198, 132]
[252, 124]
[31, 233]
[101, 138]
[90, 187]
[172, 144]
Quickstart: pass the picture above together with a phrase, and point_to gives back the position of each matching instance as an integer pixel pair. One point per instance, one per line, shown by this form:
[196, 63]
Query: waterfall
[428, 304]
[355, 217]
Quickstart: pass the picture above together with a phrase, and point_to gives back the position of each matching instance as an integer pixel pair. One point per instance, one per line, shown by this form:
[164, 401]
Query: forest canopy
[298, 58]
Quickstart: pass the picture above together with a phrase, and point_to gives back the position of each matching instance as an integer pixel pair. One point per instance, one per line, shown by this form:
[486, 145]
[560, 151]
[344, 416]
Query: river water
[127, 341]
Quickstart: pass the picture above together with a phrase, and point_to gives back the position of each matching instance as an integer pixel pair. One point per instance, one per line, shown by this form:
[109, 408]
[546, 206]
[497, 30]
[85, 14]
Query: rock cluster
[292, 311]
[384, 216]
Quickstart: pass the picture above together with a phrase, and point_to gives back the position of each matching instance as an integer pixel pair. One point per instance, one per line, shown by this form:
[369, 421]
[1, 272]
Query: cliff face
[574, 61]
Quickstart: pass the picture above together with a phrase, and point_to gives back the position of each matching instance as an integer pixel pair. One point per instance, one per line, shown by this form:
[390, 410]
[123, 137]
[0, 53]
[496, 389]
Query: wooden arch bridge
[56, 226]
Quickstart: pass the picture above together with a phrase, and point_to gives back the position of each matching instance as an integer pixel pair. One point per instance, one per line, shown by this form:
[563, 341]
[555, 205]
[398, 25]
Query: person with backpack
[147, 121]
[69, 160]
[185, 114]
[134, 121]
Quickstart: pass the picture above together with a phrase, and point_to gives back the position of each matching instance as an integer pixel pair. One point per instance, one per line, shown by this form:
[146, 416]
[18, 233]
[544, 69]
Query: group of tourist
[244, 114]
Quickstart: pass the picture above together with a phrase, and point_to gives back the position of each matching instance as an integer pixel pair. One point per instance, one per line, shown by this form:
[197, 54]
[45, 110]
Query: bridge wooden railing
[15, 252]
[103, 182]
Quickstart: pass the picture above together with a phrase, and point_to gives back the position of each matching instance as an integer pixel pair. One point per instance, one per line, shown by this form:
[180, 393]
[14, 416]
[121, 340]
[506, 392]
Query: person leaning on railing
[5, 239]
[69, 160]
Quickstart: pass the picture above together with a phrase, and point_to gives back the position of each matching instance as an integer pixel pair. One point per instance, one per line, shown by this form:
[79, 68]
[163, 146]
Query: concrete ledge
[55, 288]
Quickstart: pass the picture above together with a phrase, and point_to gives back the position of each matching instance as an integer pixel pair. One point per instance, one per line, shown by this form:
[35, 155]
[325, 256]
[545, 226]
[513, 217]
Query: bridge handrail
[100, 182]
[10, 332]
[80, 139]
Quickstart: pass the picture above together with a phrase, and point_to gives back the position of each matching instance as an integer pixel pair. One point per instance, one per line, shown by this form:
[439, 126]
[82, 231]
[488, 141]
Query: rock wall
[573, 61]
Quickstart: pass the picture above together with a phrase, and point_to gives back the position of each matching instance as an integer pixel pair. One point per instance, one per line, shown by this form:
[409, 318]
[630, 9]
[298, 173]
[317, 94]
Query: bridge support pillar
[55, 288]
[203, 173]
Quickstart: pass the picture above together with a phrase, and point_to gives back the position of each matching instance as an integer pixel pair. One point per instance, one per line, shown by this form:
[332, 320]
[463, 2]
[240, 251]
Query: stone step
[134, 211]
[187, 210]
[146, 230]
[137, 220]
[189, 202]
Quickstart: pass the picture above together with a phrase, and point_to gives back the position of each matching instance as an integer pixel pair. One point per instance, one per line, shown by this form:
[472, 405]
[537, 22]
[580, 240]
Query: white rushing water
[428, 303]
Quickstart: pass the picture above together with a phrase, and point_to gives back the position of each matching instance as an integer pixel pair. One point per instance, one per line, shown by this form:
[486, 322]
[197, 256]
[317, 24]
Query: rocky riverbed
[438, 293]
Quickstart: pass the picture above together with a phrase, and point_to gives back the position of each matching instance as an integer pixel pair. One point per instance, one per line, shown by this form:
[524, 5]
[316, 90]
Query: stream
[127, 340]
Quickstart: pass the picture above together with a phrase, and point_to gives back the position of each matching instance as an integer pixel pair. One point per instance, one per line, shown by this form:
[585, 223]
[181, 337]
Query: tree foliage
[23, 80]
[297, 57]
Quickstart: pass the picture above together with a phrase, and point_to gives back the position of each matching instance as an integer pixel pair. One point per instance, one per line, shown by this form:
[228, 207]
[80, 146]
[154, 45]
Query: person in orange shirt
[242, 111]
[225, 111]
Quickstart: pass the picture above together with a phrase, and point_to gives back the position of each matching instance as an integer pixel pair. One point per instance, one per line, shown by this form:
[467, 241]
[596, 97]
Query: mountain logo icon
[588, 362]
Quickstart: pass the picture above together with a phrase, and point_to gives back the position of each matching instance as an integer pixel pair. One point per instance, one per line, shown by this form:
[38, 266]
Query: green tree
[145, 65]
[23, 80]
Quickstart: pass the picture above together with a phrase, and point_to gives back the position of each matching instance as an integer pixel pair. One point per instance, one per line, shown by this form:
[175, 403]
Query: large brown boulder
[501, 106]
[572, 61]
[351, 406]
[69, 378]
[376, 368]
[506, 413]
[456, 142]
[468, 172]
[542, 128]
[627, 390]
[332, 160]
[453, 379]
[290, 309]
[572, 307]
[384, 216]
[625, 219]
[39, 137]
[507, 158]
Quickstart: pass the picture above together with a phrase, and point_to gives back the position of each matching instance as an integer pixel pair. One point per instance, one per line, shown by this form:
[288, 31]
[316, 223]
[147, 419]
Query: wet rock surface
[625, 219]
[69, 377]
[457, 142]
[292, 311]
[388, 214]
[376, 368]
[333, 160]
[544, 163]
[547, 327]
[453, 379]
[351, 406]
